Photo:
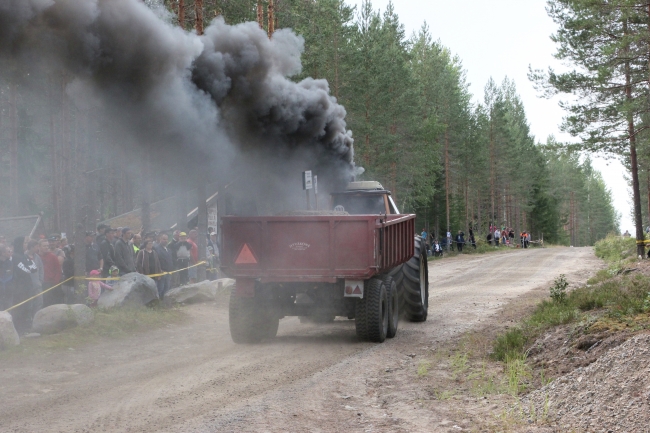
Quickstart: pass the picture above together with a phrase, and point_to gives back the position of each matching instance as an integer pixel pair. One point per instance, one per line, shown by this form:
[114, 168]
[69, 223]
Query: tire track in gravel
[192, 378]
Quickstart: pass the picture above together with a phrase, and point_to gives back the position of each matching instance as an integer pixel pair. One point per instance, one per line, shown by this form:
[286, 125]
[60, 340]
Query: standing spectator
[472, 239]
[108, 251]
[6, 273]
[504, 237]
[52, 272]
[166, 265]
[147, 262]
[497, 236]
[94, 259]
[23, 269]
[68, 272]
[54, 241]
[136, 242]
[194, 254]
[172, 248]
[124, 258]
[118, 234]
[183, 254]
[215, 255]
[101, 233]
[460, 241]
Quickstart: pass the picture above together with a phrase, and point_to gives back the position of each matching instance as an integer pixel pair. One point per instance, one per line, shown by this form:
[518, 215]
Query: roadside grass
[614, 248]
[614, 298]
[109, 324]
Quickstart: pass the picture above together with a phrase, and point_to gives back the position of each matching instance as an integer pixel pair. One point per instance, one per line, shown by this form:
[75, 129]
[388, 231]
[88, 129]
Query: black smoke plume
[219, 106]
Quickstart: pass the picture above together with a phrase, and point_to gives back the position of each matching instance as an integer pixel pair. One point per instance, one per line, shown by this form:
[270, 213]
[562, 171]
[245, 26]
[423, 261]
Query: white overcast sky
[500, 38]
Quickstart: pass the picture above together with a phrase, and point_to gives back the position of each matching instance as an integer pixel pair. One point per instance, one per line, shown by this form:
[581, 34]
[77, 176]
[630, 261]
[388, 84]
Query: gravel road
[316, 378]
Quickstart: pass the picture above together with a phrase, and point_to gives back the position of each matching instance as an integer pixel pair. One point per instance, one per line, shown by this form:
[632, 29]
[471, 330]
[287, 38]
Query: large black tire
[250, 322]
[415, 285]
[371, 318]
[393, 305]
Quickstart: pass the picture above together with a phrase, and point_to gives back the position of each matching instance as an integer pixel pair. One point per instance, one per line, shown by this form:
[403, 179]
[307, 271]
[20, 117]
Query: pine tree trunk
[447, 181]
[636, 191]
[13, 150]
[648, 185]
[466, 204]
[260, 15]
[56, 212]
[492, 180]
[271, 12]
[181, 13]
[198, 11]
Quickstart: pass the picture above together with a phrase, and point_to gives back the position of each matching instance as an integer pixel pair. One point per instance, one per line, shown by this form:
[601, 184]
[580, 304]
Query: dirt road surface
[311, 378]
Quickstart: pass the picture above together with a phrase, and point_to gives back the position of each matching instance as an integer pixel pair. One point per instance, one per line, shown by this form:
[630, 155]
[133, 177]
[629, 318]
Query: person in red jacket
[52, 274]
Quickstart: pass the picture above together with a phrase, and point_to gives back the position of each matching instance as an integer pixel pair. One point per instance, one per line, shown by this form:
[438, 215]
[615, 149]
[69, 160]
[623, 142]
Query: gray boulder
[131, 290]
[205, 291]
[8, 335]
[59, 317]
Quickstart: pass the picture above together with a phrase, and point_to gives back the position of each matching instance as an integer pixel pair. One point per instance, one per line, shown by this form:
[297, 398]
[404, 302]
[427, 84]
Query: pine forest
[417, 129]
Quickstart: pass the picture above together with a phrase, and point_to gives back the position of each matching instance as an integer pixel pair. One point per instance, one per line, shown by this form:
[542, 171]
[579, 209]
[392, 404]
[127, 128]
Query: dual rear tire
[377, 313]
[403, 291]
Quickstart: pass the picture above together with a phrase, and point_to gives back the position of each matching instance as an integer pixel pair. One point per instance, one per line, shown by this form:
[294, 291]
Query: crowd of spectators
[31, 266]
[497, 236]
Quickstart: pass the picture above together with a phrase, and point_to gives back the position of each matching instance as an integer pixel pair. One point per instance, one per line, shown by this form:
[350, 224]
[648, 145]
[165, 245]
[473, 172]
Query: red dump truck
[361, 261]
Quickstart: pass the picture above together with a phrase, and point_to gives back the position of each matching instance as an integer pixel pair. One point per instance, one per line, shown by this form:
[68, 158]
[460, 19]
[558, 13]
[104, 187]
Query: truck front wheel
[249, 321]
[371, 318]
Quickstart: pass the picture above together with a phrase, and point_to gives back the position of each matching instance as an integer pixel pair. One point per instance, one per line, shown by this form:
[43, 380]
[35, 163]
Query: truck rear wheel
[415, 285]
[393, 306]
[249, 321]
[371, 318]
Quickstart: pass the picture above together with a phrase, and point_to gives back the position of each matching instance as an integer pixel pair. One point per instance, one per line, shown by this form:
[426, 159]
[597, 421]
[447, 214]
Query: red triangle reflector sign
[245, 256]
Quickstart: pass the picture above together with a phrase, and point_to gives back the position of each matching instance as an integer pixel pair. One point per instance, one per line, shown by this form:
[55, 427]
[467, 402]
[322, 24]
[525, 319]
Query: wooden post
[181, 211]
[79, 252]
[202, 224]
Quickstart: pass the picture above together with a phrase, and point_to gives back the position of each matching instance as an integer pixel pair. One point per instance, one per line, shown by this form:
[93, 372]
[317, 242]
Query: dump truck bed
[315, 248]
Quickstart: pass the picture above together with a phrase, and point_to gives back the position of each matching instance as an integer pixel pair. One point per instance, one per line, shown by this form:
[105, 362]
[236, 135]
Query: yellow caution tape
[36, 296]
[99, 279]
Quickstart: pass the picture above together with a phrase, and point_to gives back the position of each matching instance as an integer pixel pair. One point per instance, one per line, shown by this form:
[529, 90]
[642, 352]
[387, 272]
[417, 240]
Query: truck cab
[364, 198]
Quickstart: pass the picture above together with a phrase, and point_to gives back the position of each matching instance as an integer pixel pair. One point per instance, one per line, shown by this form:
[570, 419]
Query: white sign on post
[307, 180]
[315, 184]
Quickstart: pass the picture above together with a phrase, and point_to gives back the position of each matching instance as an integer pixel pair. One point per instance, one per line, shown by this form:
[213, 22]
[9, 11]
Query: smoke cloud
[222, 105]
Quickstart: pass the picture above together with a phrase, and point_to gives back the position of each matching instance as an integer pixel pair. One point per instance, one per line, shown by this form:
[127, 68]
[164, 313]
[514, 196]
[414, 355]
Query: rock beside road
[8, 335]
[131, 290]
[59, 317]
[612, 394]
[205, 291]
